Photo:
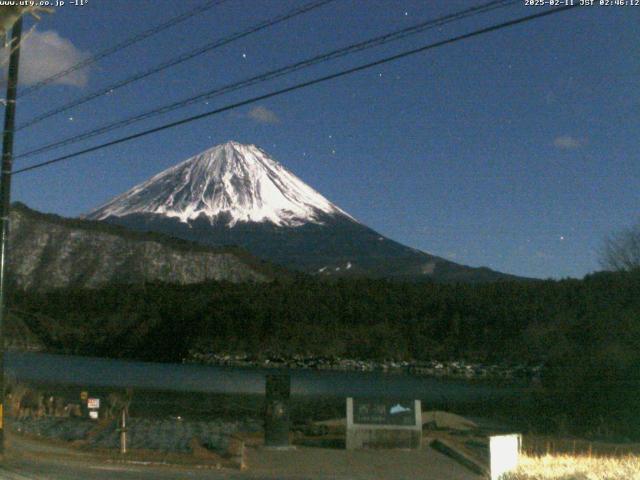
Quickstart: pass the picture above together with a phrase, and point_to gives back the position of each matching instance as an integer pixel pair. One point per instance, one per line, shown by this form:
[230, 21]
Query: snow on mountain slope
[238, 181]
[235, 194]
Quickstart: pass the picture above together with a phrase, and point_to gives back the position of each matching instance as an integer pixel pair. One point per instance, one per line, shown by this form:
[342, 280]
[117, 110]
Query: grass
[576, 467]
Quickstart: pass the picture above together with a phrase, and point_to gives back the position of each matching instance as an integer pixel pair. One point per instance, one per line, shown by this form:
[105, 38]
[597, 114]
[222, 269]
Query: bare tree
[621, 251]
[10, 15]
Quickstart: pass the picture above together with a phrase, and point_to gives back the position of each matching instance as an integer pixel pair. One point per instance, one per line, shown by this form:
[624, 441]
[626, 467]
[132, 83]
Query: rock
[447, 421]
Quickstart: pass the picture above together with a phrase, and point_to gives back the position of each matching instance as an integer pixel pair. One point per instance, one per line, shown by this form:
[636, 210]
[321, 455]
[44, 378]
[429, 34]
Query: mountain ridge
[49, 251]
[237, 194]
[232, 179]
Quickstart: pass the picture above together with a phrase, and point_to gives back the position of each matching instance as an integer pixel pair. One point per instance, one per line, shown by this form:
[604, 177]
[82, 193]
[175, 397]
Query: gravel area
[168, 435]
[68, 429]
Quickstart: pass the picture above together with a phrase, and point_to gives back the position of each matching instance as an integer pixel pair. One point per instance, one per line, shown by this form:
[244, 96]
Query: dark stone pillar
[276, 415]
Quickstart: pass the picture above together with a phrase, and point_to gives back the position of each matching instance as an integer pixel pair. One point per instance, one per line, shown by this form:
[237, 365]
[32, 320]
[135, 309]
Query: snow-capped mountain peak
[241, 182]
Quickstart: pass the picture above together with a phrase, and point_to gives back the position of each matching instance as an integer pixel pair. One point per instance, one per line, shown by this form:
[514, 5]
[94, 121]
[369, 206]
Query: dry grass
[577, 467]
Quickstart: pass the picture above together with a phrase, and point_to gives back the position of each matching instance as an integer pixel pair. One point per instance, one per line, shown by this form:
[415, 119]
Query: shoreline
[453, 369]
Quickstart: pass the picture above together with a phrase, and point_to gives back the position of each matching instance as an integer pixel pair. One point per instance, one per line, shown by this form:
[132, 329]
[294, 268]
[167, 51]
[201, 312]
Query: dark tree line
[586, 332]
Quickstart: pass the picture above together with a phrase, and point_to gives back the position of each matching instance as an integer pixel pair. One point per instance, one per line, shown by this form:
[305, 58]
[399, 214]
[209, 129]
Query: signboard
[93, 415]
[383, 423]
[93, 403]
[84, 395]
[383, 412]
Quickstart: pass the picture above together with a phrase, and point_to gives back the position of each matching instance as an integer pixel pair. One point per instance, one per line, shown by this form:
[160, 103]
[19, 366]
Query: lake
[101, 372]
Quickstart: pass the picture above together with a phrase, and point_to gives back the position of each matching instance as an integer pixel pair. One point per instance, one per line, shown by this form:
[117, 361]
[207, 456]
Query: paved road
[31, 460]
[32, 470]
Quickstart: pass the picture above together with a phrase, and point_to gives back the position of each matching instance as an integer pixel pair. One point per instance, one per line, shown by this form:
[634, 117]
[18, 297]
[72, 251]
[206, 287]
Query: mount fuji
[235, 194]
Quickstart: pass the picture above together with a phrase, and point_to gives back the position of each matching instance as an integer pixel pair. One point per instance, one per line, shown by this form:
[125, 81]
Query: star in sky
[438, 126]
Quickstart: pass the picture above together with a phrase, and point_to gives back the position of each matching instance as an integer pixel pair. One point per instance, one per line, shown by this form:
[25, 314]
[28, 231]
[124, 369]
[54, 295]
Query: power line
[178, 60]
[334, 54]
[270, 75]
[122, 45]
[299, 86]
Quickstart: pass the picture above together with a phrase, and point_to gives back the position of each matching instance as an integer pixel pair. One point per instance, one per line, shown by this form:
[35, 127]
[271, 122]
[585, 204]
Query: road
[49, 470]
[30, 460]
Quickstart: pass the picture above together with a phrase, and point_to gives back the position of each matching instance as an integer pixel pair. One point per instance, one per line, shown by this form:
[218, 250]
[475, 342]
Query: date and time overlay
[43, 3]
[526, 3]
[581, 3]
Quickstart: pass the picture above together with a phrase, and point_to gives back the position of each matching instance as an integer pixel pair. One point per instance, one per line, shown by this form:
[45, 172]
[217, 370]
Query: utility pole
[5, 199]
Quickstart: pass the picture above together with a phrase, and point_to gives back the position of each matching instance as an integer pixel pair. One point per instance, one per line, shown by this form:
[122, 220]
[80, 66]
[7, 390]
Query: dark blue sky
[516, 150]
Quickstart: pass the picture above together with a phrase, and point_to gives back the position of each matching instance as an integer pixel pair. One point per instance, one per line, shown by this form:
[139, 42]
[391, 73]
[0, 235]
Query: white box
[504, 452]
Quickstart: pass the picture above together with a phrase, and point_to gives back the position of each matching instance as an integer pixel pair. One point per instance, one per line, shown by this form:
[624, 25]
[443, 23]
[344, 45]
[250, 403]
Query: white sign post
[504, 452]
[93, 405]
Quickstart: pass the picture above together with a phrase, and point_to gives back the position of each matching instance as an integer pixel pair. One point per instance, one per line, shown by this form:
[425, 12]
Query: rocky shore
[454, 369]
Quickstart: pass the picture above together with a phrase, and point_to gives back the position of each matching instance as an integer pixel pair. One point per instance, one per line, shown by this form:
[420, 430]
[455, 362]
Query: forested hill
[354, 318]
[48, 251]
[586, 333]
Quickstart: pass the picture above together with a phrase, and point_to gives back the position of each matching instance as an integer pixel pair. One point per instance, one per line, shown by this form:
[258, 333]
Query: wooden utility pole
[5, 199]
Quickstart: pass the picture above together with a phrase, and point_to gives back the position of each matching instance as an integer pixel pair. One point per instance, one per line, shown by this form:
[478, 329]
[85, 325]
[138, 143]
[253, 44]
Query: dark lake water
[100, 372]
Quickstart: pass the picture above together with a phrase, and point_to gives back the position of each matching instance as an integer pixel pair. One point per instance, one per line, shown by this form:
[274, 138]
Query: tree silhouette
[621, 250]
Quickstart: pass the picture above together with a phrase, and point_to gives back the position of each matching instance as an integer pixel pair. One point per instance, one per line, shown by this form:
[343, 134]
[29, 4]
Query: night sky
[516, 150]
